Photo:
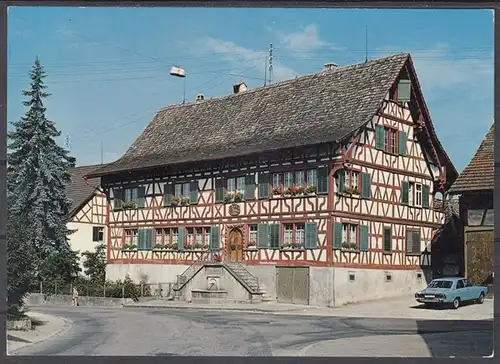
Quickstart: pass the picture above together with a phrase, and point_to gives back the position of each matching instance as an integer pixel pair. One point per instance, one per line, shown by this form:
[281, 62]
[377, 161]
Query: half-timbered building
[88, 215]
[475, 187]
[319, 189]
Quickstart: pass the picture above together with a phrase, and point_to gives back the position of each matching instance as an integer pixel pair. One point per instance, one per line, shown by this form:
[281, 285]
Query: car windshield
[440, 284]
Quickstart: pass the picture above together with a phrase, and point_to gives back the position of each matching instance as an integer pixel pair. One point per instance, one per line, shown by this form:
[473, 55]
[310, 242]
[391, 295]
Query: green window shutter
[274, 236]
[311, 235]
[141, 239]
[263, 236]
[409, 242]
[168, 194]
[404, 90]
[379, 137]
[117, 198]
[364, 241]
[181, 238]
[388, 240]
[193, 192]
[425, 196]
[219, 190]
[141, 196]
[214, 238]
[416, 242]
[366, 184]
[341, 179]
[148, 244]
[337, 235]
[322, 187]
[250, 186]
[263, 186]
[405, 188]
[402, 138]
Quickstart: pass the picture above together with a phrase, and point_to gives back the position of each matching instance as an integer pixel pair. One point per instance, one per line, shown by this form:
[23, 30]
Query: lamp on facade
[176, 71]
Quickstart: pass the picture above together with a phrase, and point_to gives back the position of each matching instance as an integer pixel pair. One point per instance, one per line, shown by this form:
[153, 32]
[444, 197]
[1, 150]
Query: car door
[461, 290]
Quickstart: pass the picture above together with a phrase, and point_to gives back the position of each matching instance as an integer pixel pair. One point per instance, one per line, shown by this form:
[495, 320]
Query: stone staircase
[248, 280]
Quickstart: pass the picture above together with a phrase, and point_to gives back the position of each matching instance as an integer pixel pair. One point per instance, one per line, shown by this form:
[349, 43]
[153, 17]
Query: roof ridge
[284, 82]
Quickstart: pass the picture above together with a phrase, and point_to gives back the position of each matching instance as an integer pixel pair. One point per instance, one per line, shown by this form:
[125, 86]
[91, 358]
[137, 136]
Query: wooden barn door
[293, 285]
[479, 256]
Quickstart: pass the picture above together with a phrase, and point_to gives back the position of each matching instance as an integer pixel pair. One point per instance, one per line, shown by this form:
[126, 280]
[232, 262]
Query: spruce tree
[38, 172]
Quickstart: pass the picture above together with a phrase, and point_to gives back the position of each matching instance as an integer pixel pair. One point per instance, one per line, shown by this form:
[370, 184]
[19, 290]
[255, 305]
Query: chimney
[330, 66]
[240, 87]
[200, 98]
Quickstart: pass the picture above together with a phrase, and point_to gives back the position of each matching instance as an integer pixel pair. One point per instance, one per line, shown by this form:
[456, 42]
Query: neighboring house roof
[323, 107]
[479, 173]
[80, 191]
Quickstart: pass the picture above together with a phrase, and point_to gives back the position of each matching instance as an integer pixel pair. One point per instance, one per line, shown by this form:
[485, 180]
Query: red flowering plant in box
[252, 245]
[218, 258]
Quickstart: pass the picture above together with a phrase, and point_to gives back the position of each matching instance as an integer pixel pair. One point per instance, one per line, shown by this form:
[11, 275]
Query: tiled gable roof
[79, 191]
[322, 107]
[479, 173]
[319, 108]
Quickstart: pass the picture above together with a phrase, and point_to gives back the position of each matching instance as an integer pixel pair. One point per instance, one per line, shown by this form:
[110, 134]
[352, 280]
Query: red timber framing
[379, 203]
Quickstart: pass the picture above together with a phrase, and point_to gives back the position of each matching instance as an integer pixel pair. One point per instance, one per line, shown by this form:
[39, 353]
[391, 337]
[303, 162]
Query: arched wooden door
[236, 245]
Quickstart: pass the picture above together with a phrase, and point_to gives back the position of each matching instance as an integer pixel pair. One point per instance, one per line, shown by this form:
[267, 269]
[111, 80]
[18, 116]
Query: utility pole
[270, 62]
[102, 152]
[265, 71]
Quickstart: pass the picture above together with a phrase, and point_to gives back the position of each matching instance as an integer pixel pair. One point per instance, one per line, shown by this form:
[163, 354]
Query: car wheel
[480, 300]
[456, 303]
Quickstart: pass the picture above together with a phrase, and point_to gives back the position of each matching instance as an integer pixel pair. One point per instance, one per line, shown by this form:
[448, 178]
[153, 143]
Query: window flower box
[234, 197]
[129, 247]
[129, 205]
[252, 245]
[349, 246]
[310, 190]
[291, 246]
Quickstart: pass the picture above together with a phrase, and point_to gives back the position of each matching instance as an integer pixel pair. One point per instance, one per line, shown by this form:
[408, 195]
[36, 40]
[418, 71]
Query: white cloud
[245, 59]
[306, 39]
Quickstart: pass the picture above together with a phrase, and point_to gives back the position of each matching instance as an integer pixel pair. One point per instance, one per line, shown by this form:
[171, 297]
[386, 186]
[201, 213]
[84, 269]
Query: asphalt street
[173, 332]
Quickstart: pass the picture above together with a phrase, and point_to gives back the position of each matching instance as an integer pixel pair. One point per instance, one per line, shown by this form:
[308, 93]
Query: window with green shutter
[117, 198]
[141, 196]
[404, 90]
[340, 181]
[263, 186]
[147, 239]
[193, 192]
[337, 235]
[263, 236]
[379, 137]
[413, 242]
[366, 184]
[405, 187]
[219, 190]
[168, 194]
[387, 240]
[425, 196]
[364, 240]
[322, 187]
[311, 235]
[402, 139]
[214, 238]
[274, 236]
[181, 238]
[249, 186]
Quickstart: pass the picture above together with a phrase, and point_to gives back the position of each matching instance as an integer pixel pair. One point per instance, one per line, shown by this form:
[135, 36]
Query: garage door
[479, 261]
[293, 285]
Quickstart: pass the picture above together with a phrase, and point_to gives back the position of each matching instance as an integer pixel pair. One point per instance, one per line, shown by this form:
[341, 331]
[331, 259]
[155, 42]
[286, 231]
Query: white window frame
[418, 195]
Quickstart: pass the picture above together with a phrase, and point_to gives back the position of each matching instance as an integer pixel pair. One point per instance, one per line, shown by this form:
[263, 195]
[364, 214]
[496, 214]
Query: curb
[256, 310]
[68, 324]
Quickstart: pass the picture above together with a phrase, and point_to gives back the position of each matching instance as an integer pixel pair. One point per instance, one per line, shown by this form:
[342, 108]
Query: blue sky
[108, 68]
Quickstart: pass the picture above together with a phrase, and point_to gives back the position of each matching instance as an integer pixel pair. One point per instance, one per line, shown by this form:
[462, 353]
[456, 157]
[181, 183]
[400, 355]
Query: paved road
[167, 332]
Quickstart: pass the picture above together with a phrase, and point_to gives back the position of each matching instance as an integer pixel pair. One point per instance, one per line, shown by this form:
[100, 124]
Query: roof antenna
[270, 62]
[366, 44]
[102, 152]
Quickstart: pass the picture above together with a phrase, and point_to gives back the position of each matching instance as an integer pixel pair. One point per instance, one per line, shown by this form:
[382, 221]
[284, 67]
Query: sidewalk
[401, 307]
[47, 327]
